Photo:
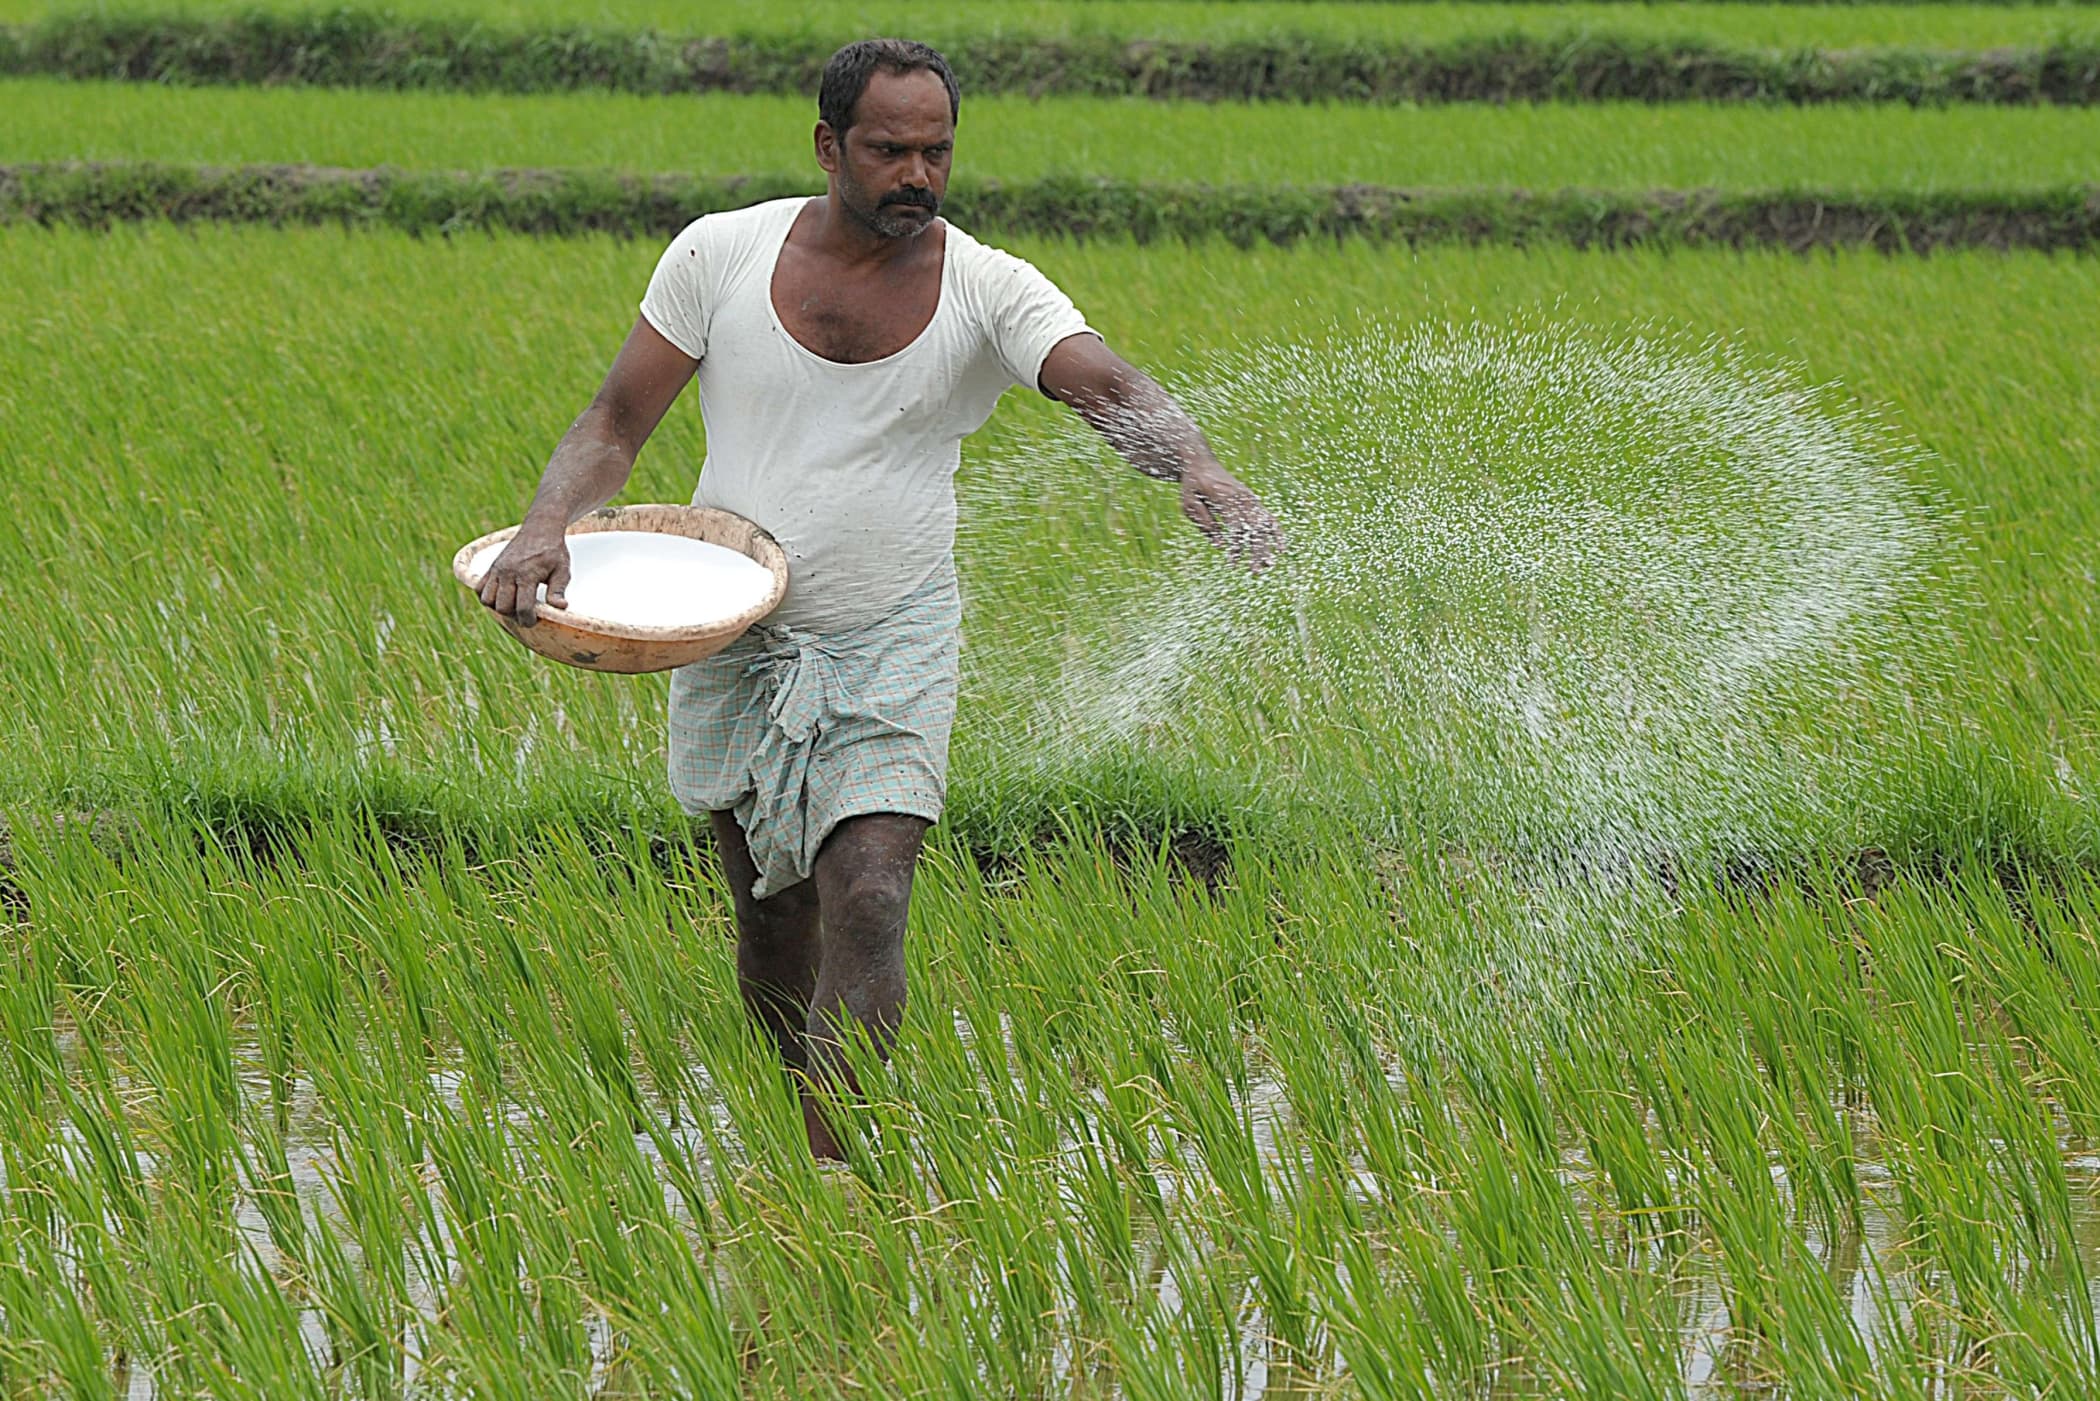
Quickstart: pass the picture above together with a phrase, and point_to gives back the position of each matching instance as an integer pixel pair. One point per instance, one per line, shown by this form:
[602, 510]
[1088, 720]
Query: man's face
[891, 167]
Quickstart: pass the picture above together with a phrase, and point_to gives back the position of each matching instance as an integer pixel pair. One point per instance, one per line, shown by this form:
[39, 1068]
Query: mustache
[924, 199]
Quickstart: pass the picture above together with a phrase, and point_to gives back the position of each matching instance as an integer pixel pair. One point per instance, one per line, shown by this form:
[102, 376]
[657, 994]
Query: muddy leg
[776, 945]
[863, 879]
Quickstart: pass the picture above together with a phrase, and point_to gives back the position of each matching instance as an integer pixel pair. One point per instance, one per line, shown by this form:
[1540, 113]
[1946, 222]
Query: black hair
[846, 76]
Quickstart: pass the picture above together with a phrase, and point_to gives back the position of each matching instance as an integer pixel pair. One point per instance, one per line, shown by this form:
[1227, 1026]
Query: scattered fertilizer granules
[645, 578]
[1584, 592]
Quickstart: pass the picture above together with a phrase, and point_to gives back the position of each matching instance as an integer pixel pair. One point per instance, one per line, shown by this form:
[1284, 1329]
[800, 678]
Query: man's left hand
[1232, 516]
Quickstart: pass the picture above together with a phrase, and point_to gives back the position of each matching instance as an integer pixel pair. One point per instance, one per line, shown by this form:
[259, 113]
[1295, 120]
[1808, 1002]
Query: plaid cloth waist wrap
[796, 731]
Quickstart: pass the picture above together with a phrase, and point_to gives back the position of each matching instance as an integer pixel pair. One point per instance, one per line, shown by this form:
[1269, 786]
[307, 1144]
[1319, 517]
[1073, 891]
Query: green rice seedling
[2038, 976]
[267, 1181]
[592, 1022]
[1608, 146]
[646, 973]
[2032, 1190]
[1098, 1251]
[1643, 1202]
[50, 1337]
[30, 1090]
[1805, 1049]
[1774, 1069]
[1942, 1124]
[628, 1250]
[46, 1330]
[1251, 1218]
[476, 1170]
[1392, 1341]
[360, 1248]
[1540, 1276]
[181, 1055]
[241, 1338]
[1773, 1164]
[104, 1194]
[1783, 1311]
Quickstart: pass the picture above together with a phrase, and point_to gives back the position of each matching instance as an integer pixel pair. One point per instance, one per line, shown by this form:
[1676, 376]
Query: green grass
[244, 457]
[500, 1129]
[1778, 26]
[1617, 146]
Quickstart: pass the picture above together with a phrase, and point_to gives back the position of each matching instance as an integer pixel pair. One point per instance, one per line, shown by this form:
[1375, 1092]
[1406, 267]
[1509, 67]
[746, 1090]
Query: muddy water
[1868, 1269]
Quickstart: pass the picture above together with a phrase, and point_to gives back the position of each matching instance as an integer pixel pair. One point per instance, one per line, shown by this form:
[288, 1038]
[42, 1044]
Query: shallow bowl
[601, 644]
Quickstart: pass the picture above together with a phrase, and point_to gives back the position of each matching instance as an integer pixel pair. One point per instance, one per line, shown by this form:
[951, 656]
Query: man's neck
[839, 235]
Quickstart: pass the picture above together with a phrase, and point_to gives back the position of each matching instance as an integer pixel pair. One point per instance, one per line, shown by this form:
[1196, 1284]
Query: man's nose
[915, 172]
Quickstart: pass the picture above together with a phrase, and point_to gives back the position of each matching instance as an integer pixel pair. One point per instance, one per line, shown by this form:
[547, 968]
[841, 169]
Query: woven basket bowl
[599, 644]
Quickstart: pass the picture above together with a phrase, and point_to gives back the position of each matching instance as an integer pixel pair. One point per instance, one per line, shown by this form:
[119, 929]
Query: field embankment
[575, 202]
[1735, 24]
[348, 48]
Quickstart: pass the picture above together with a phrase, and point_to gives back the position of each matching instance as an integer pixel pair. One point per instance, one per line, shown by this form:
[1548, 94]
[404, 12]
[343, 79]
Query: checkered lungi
[797, 731]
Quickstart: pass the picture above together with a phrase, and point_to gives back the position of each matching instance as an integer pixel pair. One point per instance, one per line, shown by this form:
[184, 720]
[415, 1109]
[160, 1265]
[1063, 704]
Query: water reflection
[1885, 1292]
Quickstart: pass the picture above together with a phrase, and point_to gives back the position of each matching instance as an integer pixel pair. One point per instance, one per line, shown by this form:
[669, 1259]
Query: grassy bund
[569, 202]
[348, 49]
[1612, 914]
[1751, 24]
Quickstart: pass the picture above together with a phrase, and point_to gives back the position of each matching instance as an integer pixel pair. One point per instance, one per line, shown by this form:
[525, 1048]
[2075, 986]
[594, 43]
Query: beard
[894, 215]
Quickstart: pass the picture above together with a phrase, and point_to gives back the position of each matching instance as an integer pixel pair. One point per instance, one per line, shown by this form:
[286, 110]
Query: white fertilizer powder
[645, 578]
[1562, 591]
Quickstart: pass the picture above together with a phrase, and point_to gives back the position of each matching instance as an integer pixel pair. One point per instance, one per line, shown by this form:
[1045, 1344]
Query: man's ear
[827, 142]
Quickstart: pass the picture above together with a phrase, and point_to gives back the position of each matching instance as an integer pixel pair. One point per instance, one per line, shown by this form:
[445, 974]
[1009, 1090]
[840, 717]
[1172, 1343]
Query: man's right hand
[536, 555]
[588, 468]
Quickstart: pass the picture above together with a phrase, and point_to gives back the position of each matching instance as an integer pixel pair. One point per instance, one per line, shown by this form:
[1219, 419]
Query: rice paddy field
[1603, 145]
[1612, 913]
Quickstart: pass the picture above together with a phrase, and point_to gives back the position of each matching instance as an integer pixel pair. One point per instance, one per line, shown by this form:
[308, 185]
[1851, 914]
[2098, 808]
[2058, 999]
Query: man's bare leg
[776, 945]
[863, 880]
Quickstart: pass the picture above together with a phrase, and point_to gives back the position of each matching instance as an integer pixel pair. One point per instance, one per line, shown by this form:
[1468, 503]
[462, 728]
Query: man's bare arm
[1156, 435]
[587, 469]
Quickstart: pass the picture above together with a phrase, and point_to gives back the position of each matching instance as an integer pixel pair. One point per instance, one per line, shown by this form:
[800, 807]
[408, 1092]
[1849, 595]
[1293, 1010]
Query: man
[844, 346]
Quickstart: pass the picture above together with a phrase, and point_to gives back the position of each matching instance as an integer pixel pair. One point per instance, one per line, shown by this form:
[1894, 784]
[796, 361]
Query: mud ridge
[355, 48]
[570, 202]
[1192, 855]
[266, 836]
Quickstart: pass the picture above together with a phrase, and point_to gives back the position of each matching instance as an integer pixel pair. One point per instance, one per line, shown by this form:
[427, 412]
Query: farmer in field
[844, 345]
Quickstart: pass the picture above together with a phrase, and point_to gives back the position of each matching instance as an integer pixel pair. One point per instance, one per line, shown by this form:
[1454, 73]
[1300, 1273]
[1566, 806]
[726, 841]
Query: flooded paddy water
[1302, 1131]
[1884, 1288]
